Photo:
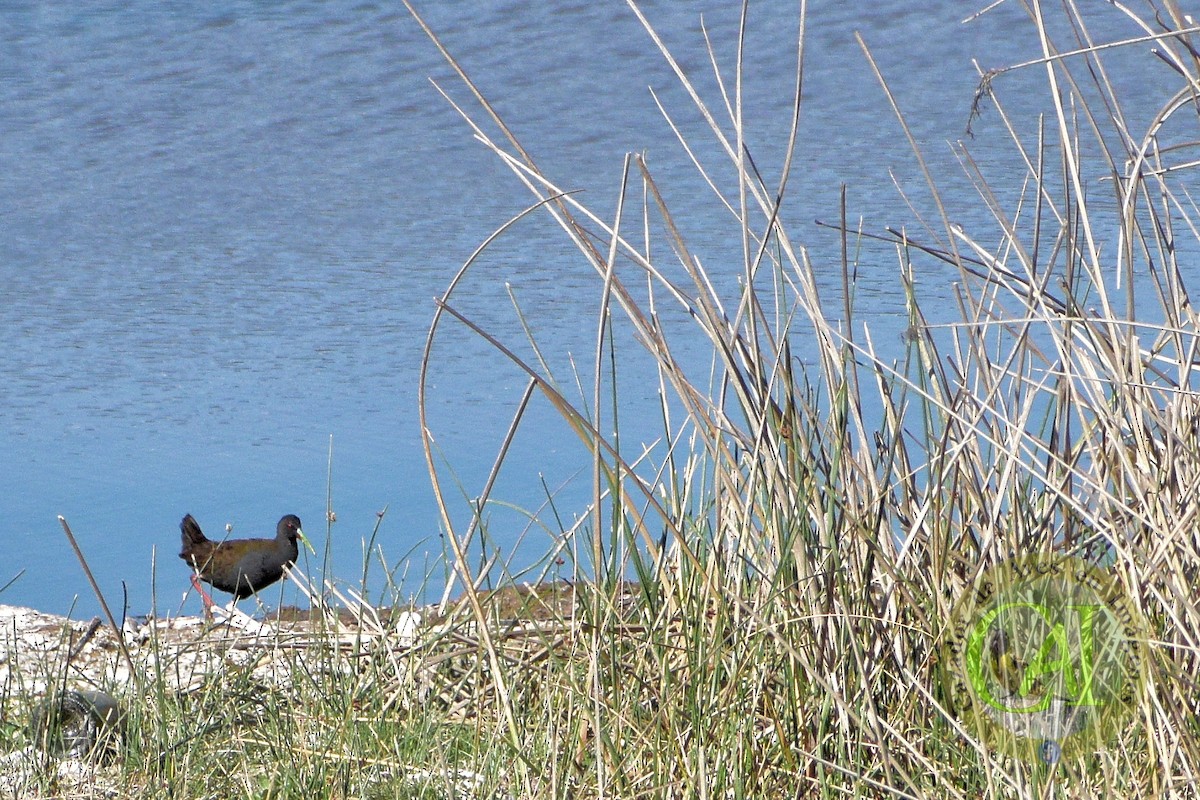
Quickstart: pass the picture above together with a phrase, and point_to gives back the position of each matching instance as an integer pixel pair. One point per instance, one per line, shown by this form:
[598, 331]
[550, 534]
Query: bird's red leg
[204, 596]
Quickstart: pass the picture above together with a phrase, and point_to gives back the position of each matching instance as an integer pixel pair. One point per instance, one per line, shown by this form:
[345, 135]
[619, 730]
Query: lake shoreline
[36, 644]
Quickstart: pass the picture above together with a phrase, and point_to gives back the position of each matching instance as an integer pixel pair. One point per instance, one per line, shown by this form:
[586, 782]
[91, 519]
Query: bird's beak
[307, 543]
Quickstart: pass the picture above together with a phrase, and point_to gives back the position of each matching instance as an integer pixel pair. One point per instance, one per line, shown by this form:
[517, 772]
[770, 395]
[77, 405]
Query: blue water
[223, 228]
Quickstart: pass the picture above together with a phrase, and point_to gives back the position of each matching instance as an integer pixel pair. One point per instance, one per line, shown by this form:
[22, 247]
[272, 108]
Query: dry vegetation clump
[805, 527]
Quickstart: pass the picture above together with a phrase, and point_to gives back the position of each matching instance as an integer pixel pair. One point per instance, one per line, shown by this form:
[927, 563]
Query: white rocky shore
[44, 658]
[39, 650]
[43, 655]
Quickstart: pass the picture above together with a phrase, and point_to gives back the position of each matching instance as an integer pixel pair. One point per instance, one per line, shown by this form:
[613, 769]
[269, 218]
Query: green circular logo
[1044, 660]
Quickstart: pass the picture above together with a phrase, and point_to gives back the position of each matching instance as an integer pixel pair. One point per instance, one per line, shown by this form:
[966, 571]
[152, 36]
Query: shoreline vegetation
[762, 597]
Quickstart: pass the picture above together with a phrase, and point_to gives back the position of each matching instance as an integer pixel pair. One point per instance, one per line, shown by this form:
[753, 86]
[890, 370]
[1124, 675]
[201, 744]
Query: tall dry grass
[821, 521]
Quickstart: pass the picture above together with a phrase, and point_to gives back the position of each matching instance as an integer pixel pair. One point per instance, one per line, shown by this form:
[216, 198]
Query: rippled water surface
[223, 228]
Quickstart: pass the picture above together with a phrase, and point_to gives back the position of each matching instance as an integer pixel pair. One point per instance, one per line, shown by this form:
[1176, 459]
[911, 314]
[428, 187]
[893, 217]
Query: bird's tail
[192, 535]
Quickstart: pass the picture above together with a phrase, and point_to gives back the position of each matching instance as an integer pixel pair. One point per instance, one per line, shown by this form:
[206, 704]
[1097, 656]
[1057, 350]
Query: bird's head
[289, 526]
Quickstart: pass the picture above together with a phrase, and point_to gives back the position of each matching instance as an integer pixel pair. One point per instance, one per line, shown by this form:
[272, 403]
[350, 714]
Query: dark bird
[241, 566]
